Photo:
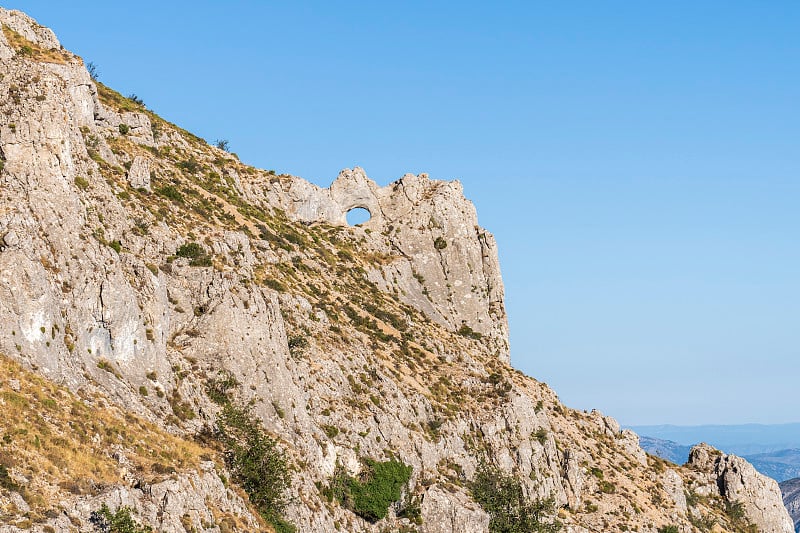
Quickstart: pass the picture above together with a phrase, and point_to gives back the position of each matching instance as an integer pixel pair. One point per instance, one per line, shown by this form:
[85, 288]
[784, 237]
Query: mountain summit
[192, 344]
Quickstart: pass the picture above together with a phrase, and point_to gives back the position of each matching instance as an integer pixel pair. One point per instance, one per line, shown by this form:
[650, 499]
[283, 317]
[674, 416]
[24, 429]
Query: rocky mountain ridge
[741, 439]
[146, 272]
[791, 499]
[780, 465]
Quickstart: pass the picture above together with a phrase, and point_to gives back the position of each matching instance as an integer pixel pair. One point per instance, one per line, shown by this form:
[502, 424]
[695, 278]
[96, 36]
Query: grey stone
[447, 512]
[11, 239]
[735, 480]
[139, 173]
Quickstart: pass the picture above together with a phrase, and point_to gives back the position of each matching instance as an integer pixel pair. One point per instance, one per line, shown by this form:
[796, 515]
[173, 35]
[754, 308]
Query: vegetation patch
[31, 50]
[171, 192]
[195, 253]
[119, 521]
[255, 459]
[81, 182]
[379, 485]
[113, 99]
[50, 435]
[466, 331]
[501, 495]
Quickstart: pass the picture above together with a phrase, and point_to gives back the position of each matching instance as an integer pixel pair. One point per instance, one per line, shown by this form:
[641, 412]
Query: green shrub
[202, 261]
[669, 529]
[217, 389]
[135, 99]
[124, 129]
[501, 495]
[105, 364]
[439, 243]
[180, 408]
[297, 344]
[190, 250]
[5, 479]
[195, 253]
[738, 517]
[171, 192]
[735, 511]
[257, 462]
[275, 285]
[117, 522]
[607, 487]
[191, 165]
[379, 485]
[81, 182]
[466, 331]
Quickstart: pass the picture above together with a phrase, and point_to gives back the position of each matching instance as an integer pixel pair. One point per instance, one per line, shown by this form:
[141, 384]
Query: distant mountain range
[780, 465]
[742, 440]
[666, 449]
[773, 450]
[791, 499]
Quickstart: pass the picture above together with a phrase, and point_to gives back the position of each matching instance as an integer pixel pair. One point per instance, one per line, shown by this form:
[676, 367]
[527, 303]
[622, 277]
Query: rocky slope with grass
[221, 352]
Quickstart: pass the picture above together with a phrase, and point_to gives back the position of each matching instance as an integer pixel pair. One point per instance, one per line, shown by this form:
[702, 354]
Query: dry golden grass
[62, 443]
[33, 51]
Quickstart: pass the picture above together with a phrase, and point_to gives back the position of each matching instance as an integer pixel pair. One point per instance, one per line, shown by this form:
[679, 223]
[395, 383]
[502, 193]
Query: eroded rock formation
[139, 267]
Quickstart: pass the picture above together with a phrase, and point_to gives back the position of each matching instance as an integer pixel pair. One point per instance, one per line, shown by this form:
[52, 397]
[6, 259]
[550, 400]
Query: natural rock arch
[357, 215]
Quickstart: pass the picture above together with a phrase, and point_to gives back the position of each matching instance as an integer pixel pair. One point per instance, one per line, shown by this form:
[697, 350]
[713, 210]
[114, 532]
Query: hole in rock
[358, 215]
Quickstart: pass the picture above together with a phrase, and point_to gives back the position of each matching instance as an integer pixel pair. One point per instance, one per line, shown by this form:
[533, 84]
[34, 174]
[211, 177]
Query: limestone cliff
[142, 268]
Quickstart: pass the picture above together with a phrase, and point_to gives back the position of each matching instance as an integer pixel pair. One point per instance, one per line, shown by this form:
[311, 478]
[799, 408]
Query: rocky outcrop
[735, 480]
[447, 267]
[144, 267]
[448, 514]
[790, 490]
[176, 505]
[139, 173]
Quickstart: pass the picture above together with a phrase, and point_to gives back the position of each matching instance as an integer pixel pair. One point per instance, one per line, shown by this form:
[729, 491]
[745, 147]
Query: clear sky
[638, 162]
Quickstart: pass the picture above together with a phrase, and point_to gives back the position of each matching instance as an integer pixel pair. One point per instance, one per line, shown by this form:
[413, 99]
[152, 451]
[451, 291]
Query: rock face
[447, 514]
[139, 173]
[448, 266]
[146, 288]
[735, 480]
[790, 490]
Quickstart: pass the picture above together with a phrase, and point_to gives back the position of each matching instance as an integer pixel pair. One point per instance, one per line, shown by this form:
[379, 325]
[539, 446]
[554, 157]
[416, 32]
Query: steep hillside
[339, 378]
[791, 498]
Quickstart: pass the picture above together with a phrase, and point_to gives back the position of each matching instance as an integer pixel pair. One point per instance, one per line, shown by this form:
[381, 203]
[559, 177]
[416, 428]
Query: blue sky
[638, 162]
